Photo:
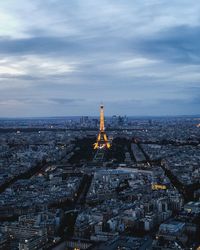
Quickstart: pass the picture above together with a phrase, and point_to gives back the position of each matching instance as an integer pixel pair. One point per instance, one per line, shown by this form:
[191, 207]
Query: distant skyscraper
[102, 140]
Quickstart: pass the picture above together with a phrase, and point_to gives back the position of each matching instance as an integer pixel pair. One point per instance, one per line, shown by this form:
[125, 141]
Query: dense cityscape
[58, 192]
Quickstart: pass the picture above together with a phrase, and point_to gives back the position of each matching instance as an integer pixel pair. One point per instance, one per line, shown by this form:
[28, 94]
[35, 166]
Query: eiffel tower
[102, 140]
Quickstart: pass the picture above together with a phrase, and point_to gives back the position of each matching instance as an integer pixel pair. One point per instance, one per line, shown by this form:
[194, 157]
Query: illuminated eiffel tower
[102, 140]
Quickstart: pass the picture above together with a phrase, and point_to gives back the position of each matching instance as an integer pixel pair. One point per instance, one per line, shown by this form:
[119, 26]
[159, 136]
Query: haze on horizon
[63, 57]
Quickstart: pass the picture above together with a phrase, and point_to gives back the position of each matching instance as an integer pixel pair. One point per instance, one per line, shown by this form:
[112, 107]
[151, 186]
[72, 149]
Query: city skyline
[62, 58]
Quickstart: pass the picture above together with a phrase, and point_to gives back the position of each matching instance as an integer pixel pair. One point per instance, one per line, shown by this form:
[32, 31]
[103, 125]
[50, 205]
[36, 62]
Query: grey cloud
[65, 101]
[179, 44]
[34, 100]
[36, 45]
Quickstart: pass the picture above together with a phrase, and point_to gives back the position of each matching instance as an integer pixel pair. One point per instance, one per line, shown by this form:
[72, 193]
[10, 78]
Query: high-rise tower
[102, 140]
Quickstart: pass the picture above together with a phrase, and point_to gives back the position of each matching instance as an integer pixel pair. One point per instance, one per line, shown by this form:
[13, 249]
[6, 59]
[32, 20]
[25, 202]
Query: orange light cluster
[158, 186]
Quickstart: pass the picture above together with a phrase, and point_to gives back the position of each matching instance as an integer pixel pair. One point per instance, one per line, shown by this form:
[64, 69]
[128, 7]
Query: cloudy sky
[65, 57]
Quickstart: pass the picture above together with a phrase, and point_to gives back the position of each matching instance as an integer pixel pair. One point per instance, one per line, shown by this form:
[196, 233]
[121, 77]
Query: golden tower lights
[102, 140]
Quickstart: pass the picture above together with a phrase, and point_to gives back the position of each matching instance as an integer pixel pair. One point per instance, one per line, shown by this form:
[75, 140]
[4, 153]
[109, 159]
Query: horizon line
[75, 116]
